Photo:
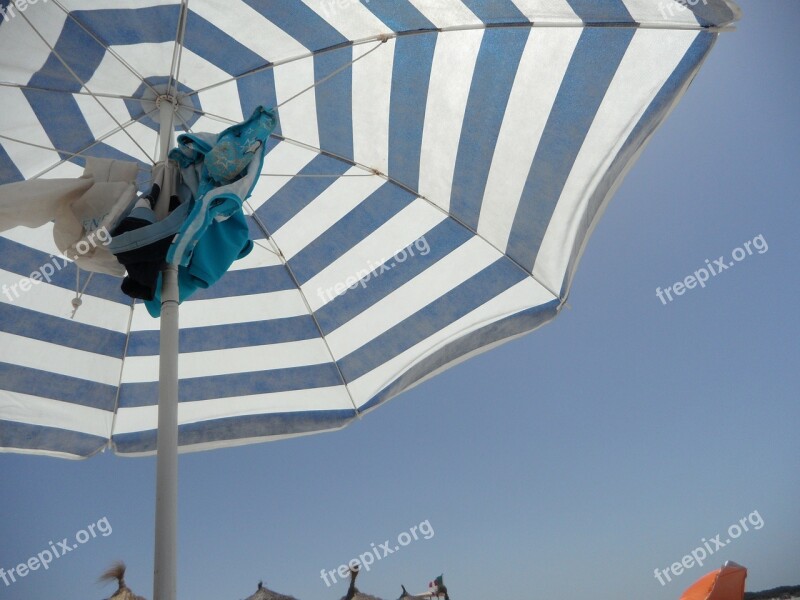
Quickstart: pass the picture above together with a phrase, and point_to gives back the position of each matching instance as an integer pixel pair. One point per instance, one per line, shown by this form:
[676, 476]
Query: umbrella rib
[78, 79]
[317, 175]
[41, 146]
[416, 193]
[90, 146]
[20, 86]
[182, 120]
[370, 172]
[333, 73]
[385, 37]
[373, 171]
[121, 370]
[279, 254]
[105, 47]
[177, 51]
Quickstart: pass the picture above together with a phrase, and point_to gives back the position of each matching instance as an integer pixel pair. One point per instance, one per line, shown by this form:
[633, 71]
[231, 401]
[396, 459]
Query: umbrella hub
[146, 102]
[166, 98]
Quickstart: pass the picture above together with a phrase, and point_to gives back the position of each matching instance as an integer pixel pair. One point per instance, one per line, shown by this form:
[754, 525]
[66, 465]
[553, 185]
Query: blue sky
[570, 463]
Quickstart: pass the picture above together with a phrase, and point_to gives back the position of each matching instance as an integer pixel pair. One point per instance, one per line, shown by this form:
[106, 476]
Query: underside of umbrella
[434, 178]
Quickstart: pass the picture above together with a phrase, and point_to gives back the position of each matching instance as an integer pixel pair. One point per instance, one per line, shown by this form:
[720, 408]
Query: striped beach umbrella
[427, 194]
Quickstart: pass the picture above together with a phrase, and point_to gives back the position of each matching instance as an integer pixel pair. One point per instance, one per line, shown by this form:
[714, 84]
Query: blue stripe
[300, 22]
[383, 204]
[300, 191]
[588, 77]
[495, 72]
[411, 74]
[256, 90]
[218, 48]
[9, 173]
[496, 11]
[256, 233]
[522, 322]
[441, 240]
[245, 282]
[157, 24]
[220, 337]
[398, 15]
[24, 261]
[22, 436]
[652, 118]
[334, 100]
[64, 332]
[79, 51]
[238, 428]
[44, 384]
[63, 122]
[601, 11]
[476, 291]
[235, 385]
[126, 26]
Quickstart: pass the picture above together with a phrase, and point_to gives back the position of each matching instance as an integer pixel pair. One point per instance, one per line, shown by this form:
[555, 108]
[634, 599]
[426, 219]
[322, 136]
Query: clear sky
[568, 464]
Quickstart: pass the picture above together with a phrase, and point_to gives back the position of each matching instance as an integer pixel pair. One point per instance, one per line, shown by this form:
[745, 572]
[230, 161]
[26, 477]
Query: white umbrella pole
[166, 561]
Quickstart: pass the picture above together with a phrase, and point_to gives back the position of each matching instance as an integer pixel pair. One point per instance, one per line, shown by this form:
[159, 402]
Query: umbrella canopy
[436, 172]
[726, 583]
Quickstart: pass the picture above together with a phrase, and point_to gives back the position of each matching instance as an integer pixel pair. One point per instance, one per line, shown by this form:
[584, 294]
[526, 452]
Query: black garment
[143, 264]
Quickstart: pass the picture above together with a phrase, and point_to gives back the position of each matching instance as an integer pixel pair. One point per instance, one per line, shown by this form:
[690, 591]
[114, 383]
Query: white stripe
[148, 59]
[225, 311]
[402, 230]
[45, 412]
[222, 100]
[38, 238]
[542, 67]
[299, 116]
[349, 17]
[262, 256]
[650, 60]
[522, 296]
[22, 52]
[66, 170]
[342, 196]
[112, 77]
[52, 358]
[372, 93]
[100, 124]
[112, 4]
[648, 12]
[284, 159]
[18, 121]
[249, 27]
[436, 281]
[548, 11]
[271, 357]
[451, 78]
[145, 418]
[56, 301]
[446, 13]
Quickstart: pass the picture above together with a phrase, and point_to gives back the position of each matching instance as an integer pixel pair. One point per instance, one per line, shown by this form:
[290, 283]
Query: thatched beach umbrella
[263, 593]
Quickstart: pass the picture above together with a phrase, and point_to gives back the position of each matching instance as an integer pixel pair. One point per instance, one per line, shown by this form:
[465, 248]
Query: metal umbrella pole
[166, 534]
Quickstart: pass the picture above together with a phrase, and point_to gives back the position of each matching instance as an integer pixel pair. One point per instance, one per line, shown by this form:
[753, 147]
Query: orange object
[726, 583]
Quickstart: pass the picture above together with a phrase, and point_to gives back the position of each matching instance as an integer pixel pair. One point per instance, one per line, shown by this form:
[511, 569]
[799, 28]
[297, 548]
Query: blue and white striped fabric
[418, 206]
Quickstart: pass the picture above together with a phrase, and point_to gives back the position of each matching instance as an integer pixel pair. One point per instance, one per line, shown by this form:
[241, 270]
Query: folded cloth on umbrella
[218, 172]
[85, 210]
[221, 171]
